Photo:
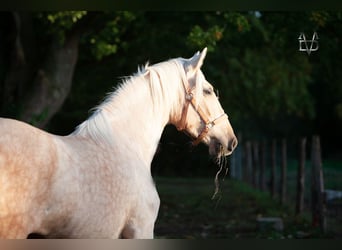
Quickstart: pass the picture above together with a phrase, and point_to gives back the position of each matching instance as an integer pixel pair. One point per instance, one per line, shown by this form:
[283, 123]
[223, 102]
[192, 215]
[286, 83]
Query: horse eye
[207, 91]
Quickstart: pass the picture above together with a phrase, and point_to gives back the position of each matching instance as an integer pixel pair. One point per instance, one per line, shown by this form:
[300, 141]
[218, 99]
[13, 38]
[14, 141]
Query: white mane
[165, 84]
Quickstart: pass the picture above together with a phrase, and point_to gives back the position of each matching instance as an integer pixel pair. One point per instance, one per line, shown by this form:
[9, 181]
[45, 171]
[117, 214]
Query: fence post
[301, 176]
[248, 162]
[248, 168]
[273, 167]
[232, 165]
[262, 166]
[317, 186]
[255, 164]
[238, 157]
[283, 172]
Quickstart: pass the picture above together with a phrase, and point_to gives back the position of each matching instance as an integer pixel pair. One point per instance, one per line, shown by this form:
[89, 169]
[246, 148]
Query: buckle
[209, 125]
[189, 96]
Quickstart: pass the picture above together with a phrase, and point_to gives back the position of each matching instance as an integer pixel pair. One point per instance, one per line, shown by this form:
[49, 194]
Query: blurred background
[56, 66]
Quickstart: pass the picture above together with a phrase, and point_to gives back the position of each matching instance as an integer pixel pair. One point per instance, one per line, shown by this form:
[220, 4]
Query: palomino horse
[96, 182]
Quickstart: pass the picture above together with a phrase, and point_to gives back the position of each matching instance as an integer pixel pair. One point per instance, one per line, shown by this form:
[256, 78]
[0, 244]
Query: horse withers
[96, 182]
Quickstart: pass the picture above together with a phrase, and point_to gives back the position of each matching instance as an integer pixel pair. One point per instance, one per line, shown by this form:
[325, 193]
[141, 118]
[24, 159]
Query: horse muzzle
[219, 149]
[232, 144]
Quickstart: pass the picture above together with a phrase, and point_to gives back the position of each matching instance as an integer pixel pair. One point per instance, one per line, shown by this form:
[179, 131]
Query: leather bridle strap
[190, 99]
[206, 129]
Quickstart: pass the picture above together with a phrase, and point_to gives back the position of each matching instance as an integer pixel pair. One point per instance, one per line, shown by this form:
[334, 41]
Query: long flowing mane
[164, 81]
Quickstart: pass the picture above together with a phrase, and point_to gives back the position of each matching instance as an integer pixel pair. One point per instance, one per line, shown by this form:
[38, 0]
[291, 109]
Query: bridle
[190, 99]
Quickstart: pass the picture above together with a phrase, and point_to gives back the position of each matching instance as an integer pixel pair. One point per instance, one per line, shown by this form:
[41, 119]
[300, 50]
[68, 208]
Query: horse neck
[135, 120]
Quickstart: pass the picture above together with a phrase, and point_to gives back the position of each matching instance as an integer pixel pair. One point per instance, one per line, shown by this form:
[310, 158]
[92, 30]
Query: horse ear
[196, 62]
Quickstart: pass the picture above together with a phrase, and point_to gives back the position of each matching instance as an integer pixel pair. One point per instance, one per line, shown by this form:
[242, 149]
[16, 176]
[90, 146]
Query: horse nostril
[232, 144]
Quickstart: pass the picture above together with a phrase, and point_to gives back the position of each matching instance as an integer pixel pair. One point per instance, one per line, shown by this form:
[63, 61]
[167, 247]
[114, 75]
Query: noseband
[190, 99]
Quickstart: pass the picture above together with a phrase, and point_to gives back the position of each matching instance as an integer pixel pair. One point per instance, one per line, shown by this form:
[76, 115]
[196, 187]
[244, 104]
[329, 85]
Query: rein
[190, 99]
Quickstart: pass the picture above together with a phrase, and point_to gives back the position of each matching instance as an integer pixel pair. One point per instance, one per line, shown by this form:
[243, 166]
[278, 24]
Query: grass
[188, 211]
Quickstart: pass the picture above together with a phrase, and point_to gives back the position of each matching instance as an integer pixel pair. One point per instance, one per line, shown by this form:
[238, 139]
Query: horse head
[203, 117]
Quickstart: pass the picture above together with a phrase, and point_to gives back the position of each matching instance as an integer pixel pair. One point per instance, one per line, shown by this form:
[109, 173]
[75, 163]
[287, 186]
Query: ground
[188, 211]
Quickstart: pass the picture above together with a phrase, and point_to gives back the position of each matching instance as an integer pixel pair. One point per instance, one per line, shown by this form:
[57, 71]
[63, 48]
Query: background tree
[39, 57]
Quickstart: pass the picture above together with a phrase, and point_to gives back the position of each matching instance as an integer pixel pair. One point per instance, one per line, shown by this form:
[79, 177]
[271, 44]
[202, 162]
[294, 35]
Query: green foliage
[218, 25]
[200, 38]
[270, 84]
[103, 38]
[65, 19]
[320, 18]
[107, 40]
[238, 20]
[57, 23]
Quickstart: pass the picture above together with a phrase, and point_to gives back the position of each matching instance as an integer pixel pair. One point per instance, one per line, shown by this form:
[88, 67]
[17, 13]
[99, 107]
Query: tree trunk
[317, 186]
[283, 182]
[248, 163]
[255, 154]
[20, 58]
[273, 168]
[301, 176]
[39, 85]
[52, 82]
[263, 166]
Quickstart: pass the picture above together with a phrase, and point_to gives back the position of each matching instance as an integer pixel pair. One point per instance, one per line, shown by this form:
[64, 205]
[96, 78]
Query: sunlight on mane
[162, 79]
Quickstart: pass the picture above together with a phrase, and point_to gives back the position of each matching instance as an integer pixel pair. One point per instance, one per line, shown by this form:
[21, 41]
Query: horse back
[27, 163]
